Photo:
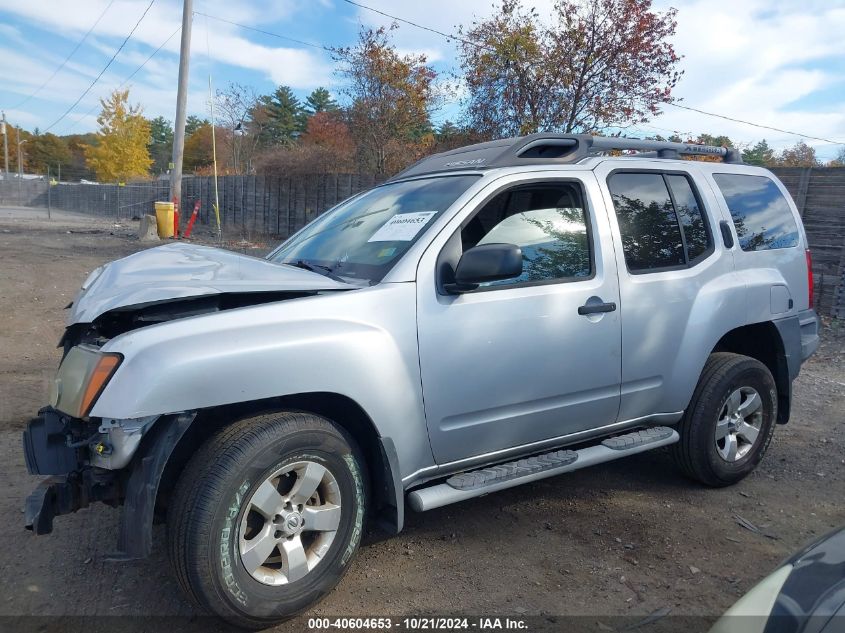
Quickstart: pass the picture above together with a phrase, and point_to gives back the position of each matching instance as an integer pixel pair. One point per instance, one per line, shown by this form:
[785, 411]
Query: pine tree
[193, 123]
[760, 154]
[161, 144]
[278, 118]
[320, 100]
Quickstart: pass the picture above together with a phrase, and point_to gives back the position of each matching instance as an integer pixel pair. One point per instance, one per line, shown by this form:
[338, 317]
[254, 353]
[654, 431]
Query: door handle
[596, 308]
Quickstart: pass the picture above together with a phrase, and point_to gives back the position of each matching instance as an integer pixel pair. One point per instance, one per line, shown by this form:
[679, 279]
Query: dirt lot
[627, 539]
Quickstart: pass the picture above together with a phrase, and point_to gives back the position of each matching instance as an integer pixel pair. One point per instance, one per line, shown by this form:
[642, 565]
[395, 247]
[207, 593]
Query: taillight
[809, 277]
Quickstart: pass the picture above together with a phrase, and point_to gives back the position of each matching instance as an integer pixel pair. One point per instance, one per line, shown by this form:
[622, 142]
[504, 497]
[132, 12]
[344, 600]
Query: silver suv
[491, 316]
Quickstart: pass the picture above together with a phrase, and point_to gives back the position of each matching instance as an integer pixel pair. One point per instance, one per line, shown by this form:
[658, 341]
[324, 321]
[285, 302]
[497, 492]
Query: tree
[451, 136]
[121, 152]
[278, 118]
[198, 148]
[320, 100]
[601, 63]
[799, 155]
[161, 144]
[78, 169]
[839, 161]
[392, 97]
[47, 150]
[192, 123]
[15, 134]
[325, 147]
[241, 123]
[760, 154]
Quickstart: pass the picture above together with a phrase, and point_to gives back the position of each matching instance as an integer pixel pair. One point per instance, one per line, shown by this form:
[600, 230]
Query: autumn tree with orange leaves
[392, 97]
[598, 64]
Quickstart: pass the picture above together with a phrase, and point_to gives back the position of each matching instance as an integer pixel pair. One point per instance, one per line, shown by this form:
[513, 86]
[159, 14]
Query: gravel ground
[631, 538]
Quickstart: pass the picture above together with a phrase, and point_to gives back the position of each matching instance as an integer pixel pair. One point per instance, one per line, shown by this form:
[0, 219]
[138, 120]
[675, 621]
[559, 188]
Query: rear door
[515, 363]
[679, 290]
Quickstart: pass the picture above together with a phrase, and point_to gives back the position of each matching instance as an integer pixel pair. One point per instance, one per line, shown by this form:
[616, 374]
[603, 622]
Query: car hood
[179, 270]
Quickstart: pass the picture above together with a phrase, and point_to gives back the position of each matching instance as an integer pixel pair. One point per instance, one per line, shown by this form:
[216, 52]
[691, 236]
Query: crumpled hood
[179, 270]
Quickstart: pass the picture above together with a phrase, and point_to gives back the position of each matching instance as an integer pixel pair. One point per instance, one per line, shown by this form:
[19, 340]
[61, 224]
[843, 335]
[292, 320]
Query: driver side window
[548, 221]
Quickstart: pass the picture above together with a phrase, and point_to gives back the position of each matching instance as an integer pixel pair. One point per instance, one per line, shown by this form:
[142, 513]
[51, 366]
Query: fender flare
[135, 533]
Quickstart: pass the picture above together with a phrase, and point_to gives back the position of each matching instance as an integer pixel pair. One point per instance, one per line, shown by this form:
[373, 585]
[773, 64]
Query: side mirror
[487, 262]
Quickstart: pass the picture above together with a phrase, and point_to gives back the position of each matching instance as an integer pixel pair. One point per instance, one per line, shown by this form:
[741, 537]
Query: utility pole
[20, 169]
[181, 103]
[6, 144]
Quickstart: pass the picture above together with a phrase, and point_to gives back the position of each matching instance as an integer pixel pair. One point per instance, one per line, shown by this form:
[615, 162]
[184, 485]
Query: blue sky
[775, 62]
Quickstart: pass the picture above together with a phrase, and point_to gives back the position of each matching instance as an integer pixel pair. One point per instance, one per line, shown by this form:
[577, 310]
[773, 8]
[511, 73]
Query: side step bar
[486, 480]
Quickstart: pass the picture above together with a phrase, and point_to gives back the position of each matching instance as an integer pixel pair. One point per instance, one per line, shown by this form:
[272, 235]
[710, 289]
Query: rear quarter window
[760, 212]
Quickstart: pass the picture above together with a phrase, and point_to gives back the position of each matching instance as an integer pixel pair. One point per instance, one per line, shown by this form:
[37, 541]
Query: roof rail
[549, 148]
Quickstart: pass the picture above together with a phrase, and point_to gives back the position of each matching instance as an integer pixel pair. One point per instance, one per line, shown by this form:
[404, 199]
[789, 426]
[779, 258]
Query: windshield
[363, 238]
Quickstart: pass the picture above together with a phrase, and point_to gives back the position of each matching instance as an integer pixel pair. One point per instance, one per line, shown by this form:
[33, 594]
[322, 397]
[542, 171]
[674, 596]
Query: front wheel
[729, 423]
[266, 517]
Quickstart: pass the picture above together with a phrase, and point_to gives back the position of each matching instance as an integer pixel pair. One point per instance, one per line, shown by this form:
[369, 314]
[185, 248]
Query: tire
[224, 516]
[722, 462]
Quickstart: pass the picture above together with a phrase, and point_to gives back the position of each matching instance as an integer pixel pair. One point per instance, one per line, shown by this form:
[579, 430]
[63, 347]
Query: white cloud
[226, 43]
[748, 60]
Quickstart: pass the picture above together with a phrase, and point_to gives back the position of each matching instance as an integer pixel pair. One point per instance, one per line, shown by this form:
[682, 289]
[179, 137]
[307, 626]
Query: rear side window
[660, 221]
[696, 236]
[760, 212]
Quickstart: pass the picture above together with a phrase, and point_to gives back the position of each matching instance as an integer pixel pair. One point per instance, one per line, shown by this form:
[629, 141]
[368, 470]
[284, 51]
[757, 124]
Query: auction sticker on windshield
[402, 227]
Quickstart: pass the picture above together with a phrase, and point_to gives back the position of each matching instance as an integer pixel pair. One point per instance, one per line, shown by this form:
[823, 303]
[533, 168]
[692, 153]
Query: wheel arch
[387, 495]
[764, 342]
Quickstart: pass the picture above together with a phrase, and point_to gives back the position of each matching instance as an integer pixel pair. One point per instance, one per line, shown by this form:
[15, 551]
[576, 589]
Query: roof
[551, 149]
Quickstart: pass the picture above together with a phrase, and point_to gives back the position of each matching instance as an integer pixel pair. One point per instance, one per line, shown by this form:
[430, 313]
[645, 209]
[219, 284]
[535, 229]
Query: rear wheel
[729, 423]
[266, 517]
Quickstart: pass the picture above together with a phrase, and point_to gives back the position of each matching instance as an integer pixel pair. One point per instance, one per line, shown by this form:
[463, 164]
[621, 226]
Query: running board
[486, 480]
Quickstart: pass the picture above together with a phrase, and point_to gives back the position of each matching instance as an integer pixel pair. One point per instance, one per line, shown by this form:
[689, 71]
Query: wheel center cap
[294, 521]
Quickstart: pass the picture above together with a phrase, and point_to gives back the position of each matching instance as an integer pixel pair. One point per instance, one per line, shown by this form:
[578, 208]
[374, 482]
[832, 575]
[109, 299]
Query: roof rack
[556, 149]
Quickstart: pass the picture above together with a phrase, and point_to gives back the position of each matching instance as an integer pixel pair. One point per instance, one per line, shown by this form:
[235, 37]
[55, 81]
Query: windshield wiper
[311, 267]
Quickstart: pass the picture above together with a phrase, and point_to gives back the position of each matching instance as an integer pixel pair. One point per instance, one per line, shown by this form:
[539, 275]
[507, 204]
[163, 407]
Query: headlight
[81, 378]
[751, 612]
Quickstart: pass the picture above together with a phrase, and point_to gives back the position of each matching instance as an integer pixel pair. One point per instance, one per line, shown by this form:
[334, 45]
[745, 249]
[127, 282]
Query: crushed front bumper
[64, 494]
[59, 446]
[49, 449]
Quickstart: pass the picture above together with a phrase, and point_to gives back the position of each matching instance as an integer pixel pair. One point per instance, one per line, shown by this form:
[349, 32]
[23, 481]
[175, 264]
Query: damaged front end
[120, 462]
[116, 462]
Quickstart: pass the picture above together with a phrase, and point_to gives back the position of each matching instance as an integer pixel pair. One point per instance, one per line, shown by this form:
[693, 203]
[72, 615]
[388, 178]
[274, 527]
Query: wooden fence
[819, 193]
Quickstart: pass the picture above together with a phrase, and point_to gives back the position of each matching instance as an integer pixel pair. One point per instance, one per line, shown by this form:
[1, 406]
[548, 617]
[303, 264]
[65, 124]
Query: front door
[515, 362]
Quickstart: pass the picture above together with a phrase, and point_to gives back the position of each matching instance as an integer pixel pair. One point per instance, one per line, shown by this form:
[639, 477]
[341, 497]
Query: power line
[479, 45]
[765, 127]
[125, 81]
[252, 28]
[67, 59]
[116, 53]
[448, 36]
